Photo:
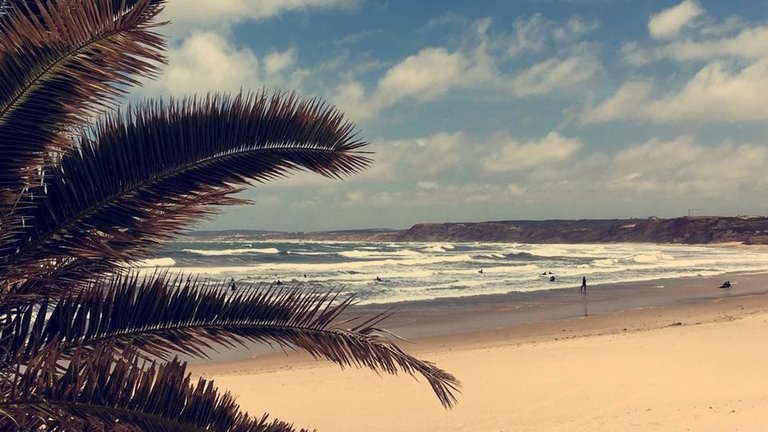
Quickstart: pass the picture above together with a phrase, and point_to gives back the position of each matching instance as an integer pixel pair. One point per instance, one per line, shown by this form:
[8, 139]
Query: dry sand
[700, 366]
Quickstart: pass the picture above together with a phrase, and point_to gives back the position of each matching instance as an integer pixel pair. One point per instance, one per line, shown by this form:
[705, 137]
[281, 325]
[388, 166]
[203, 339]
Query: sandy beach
[670, 355]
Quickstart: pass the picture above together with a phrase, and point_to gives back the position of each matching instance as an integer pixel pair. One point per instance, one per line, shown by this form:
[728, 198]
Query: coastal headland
[685, 230]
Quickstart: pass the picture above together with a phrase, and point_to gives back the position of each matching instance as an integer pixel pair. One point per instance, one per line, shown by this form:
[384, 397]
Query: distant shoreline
[683, 230]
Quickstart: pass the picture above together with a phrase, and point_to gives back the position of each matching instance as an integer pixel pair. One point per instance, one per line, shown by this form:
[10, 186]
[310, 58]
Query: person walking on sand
[583, 284]
[232, 285]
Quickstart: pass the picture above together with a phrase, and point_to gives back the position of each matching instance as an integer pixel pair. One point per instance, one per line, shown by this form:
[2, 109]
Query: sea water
[393, 272]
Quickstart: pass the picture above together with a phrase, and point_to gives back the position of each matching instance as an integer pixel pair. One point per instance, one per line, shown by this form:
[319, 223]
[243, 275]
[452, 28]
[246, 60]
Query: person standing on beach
[583, 284]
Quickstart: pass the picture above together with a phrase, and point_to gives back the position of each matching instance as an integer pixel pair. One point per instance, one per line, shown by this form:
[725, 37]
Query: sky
[482, 110]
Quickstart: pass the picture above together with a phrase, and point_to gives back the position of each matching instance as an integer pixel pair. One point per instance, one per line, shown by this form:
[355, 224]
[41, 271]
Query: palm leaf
[97, 391]
[143, 177]
[61, 63]
[163, 315]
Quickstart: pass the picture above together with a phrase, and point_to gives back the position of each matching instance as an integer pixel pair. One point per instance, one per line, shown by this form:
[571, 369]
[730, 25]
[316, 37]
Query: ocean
[397, 272]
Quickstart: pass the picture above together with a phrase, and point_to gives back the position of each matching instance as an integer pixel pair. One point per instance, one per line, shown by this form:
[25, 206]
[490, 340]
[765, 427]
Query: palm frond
[143, 177]
[62, 62]
[163, 315]
[97, 391]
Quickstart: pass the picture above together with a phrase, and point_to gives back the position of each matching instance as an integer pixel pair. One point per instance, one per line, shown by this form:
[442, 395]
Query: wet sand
[666, 355]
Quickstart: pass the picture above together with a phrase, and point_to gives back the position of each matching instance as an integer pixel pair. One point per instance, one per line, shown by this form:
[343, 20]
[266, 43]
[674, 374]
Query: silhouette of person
[481, 271]
[189, 282]
[551, 278]
[378, 279]
[584, 284]
[278, 282]
[232, 285]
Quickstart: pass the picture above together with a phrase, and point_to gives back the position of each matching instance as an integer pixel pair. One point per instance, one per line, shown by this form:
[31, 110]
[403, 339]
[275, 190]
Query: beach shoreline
[422, 320]
[507, 362]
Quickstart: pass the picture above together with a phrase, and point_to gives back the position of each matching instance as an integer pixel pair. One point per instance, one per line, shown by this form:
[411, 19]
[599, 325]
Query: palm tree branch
[60, 67]
[160, 317]
[147, 175]
[94, 389]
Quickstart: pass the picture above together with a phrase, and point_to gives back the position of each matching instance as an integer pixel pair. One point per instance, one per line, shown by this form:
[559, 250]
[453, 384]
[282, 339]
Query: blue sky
[491, 110]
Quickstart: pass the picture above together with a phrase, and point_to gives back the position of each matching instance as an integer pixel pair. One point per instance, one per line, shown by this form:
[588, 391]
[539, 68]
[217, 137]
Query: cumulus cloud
[555, 73]
[718, 92]
[682, 166]
[535, 33]
[709, 39]
[420, 159]
[669, 22]
[277, 61]
[662, 176]
[435, 71]
[426, 75]
[208, 61]
[202, 13]
[749, 43]
[518, 155]
[627, 101]
[531, 34]
[428, 185]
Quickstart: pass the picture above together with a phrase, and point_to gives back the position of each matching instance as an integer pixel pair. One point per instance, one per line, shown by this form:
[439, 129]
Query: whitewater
[396, 272]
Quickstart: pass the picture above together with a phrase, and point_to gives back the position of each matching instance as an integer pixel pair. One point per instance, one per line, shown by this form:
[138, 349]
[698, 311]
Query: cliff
[688, 230]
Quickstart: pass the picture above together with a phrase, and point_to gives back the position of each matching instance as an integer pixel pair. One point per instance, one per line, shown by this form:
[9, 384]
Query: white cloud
[574, 29]
[531, 34]
[716, 93]
[658, 176]
[516, 190]
[436, 71]
[669, 22]
[426, 75]
[419, 159]
[204, 13]
[535, 33]
[682, 166]
[749, 43]
[428, 185]
[518, 155]
[628, 99]
[555, 73]
[206, 61]
[277, 61]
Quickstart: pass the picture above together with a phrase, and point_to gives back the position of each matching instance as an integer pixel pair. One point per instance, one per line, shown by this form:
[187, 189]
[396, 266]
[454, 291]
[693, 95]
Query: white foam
[378, 254]
[225, 252]
[418, 271]
[156, 262]
[438, 248]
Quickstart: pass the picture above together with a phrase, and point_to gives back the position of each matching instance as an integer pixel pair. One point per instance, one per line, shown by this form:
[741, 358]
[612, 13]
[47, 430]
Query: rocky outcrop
[689, 230]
